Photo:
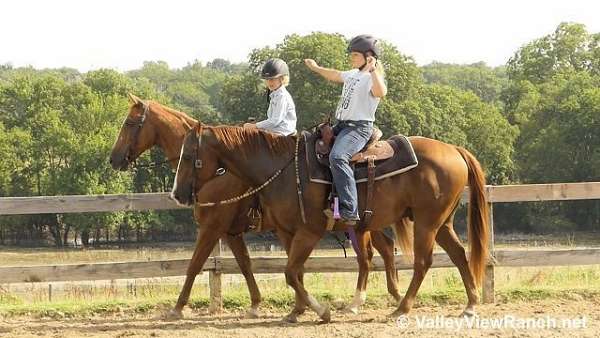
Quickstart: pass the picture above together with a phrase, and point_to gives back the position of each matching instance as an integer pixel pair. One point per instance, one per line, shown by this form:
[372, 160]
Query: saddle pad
[403, 160]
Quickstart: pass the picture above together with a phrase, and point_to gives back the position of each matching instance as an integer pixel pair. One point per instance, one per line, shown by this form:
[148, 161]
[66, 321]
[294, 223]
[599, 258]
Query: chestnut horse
[431, 192]
[148, 124]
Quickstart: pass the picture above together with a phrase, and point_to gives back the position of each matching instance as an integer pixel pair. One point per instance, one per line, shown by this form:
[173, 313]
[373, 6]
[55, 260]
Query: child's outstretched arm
[329, 74]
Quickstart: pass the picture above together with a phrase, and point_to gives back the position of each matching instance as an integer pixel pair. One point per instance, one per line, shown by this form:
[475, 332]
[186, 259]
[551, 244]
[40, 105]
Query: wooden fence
[217, 265]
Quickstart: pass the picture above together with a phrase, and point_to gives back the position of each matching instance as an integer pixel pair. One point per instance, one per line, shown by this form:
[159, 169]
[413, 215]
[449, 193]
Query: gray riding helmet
[274, 68]
[363, 44]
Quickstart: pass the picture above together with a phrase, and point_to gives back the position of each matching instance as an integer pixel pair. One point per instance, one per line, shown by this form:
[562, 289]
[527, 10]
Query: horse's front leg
[300, 306]
[205, 242]
[301, 247]
[240, 251]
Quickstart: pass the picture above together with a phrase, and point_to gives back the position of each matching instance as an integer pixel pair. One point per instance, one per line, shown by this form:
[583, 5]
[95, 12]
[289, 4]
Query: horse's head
[198, 163]
[135, 137]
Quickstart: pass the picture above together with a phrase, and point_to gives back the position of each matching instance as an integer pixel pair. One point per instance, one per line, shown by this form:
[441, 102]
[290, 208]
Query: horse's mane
[248, 140]
[190, 121]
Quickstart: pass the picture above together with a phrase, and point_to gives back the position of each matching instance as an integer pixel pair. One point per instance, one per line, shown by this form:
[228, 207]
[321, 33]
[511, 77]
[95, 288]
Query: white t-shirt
[357, 102]
[281, 115]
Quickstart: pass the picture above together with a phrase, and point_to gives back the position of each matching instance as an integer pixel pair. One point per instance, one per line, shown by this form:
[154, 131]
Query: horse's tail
[403, 233]
[478, 227]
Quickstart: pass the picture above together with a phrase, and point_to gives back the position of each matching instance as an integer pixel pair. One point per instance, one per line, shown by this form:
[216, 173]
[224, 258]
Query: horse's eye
[186, 157]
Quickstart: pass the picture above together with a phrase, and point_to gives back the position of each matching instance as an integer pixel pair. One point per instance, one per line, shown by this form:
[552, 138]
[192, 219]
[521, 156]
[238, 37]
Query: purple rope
[352, 234]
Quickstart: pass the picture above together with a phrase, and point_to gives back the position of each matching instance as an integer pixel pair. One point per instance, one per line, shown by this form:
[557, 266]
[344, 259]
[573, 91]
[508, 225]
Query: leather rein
[198, 165]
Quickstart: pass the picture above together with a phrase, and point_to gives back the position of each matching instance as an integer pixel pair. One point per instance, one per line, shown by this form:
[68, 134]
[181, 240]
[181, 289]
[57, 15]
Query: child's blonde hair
[285, 80]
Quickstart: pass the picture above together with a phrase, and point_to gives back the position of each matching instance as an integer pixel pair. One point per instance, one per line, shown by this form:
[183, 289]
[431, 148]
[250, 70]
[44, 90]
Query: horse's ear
[134, 99]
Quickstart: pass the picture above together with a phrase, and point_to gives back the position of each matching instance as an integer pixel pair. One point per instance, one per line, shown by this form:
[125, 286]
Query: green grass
[441, 287]
[276, 301]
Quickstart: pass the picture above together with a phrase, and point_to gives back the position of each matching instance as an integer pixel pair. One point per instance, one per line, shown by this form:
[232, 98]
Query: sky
[122, 34]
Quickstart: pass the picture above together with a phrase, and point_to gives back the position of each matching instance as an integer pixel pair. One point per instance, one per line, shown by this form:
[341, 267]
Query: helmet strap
[364, 64]
[268, 96]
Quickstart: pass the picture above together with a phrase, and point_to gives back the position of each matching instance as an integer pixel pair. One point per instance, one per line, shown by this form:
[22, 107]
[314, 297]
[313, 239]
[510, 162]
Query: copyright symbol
[402, 321]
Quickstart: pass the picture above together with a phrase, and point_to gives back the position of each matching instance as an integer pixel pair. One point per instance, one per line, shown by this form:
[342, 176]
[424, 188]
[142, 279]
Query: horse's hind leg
[427, 222]
[240, 252]
[385, 247]
[447, 239]
[363, 258]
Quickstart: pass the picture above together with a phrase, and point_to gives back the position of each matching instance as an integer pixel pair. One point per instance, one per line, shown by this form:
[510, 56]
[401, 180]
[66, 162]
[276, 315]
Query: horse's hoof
[402, 321]
[326, 316]
[173, 315]
[398, 313]
[251, 313]
[291, 318]
[468, 314]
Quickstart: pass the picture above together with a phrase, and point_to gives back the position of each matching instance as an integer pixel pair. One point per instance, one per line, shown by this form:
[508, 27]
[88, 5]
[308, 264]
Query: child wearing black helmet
[281, 114]
[364, 86]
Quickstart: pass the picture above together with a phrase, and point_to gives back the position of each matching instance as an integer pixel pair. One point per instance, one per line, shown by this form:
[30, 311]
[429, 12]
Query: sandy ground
[552, 317]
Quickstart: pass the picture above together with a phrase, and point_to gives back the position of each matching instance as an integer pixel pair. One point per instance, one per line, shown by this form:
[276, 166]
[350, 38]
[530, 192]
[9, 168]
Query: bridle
[136, 124]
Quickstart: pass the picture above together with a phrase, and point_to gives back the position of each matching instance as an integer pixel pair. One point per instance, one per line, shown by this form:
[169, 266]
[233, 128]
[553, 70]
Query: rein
[248, 193]
[198, 165]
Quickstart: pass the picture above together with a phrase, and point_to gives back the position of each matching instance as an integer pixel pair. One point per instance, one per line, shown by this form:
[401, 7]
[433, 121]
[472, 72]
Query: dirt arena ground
[552, 317]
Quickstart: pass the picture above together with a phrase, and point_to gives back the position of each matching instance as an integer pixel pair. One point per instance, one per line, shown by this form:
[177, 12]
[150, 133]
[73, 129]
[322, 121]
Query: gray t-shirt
[357, 102]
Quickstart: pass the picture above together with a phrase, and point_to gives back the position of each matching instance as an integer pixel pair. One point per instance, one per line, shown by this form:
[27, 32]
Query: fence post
[215, 279]
[488, 293]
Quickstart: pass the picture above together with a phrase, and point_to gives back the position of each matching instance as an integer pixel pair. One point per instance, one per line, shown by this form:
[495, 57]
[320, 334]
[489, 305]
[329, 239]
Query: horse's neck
[170, 131]
[255, 169]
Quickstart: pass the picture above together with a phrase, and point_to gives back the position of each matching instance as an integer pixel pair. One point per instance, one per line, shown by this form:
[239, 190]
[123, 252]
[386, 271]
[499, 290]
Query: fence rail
[161, 201]
[270, 264]
[217, 265]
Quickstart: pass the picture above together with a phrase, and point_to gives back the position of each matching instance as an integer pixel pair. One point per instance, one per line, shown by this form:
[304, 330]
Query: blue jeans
[352, 136]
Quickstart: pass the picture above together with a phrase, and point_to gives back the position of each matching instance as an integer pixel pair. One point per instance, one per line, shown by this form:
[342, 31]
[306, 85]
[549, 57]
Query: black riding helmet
[274, 68]
[364, 44]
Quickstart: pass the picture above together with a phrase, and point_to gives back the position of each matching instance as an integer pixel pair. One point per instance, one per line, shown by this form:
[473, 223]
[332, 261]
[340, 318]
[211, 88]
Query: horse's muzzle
[120, 163]
[184, 198]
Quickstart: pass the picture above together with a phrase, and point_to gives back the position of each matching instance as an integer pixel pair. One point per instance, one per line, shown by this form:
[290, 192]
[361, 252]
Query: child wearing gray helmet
[281, 114]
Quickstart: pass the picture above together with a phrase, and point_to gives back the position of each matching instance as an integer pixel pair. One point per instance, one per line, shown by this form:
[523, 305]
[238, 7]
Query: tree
[564, 129]
[569, 49]
[454, 116]
[483, 81]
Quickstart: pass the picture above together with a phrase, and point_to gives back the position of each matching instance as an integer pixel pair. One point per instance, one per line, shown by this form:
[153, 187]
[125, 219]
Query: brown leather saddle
[374, 149]
[392, 156]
